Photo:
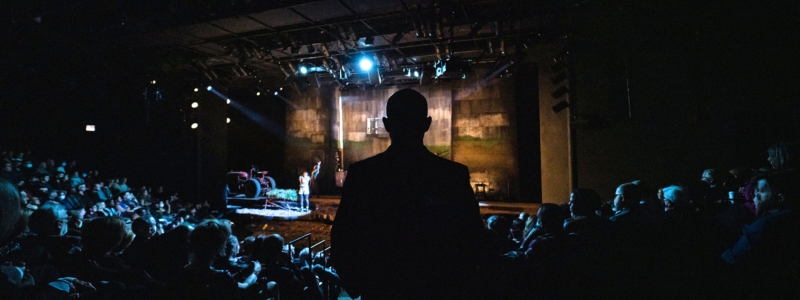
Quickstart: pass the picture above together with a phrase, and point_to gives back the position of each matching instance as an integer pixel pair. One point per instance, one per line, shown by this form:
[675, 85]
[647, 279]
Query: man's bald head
[407, 117]
[407, 104]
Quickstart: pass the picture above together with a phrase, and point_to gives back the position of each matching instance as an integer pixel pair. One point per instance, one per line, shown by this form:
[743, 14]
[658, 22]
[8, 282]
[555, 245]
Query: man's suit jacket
[408, 223]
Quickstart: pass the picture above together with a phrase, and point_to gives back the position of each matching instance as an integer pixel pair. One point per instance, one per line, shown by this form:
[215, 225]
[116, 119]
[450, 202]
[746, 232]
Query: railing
[330, 290]
[305, 236]
[322, 242]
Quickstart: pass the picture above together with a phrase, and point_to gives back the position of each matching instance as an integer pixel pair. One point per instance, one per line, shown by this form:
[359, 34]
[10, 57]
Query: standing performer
[314, 174]
[304, 203]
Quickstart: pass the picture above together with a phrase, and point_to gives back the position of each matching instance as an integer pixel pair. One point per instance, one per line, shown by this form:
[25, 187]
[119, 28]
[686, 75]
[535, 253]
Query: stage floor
[293, 224]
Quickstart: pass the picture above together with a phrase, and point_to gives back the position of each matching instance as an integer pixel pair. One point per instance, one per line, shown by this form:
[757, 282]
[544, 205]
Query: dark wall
[256, 133]
[709, 87]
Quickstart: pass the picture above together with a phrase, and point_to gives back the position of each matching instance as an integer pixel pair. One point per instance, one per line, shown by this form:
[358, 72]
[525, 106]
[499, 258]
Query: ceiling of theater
[244, 42]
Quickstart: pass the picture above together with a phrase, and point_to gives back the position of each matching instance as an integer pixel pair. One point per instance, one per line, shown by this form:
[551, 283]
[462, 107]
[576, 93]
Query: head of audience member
[268, 248]
[207, 241]
[584, 203]
[550, 218]
[11, 220]
[712, 177]
[60, 175]
[81, 188]
[499, 225]
[103, 236]
[52, 196]
[305, 257]
[627, 196]
[76, 217]
[7, 167]
[777, 190]
[247, 245]
[675, 198]
[517, 227]
[144, 227]
[51, 219]
[75, 174]
[62, 195]
[781, 156]
[24, 197]
[407, 117]
[232, 247]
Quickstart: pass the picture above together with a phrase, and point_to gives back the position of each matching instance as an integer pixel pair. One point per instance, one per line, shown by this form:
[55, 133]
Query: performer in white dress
[304, 203]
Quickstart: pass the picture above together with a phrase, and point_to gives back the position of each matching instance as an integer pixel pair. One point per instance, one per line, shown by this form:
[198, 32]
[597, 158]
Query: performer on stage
[314, 174]
[304, 203]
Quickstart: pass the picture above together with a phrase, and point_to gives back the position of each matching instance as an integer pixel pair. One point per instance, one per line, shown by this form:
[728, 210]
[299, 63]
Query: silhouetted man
[408, 222]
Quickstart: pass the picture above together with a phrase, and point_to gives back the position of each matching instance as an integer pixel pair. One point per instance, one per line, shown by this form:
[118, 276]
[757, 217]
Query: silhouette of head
[407, 117]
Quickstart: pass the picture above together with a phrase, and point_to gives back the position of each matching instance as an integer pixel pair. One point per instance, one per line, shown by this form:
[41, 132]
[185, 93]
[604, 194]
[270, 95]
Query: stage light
[258, 93]
[416, 73]
[194, 104]
[276, 93]
[365, 64]
[195, 90]
[153, 82]
[228, 101]
[227, 120]
[208, 88]
[303, 70]
[89, 127]
[194, 125]
[280, 89]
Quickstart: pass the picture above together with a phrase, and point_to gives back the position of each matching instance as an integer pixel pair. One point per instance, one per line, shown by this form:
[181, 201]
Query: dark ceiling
[243, 43]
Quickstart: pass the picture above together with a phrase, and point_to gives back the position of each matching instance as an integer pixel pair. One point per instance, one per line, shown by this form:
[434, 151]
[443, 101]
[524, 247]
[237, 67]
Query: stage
[291, 224]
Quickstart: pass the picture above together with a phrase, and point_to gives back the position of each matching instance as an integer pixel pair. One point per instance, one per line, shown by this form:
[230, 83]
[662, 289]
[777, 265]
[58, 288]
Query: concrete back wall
[474, 123]
[484, 133]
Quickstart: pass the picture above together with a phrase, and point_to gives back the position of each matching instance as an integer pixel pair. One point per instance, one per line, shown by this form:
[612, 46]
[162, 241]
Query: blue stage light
[209, 88]
[365, 64]
[303, 70]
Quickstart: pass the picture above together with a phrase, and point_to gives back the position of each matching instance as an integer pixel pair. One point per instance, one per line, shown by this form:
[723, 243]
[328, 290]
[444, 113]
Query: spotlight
[227, 120]
[195, 90]
[194, 104]
[276, 93]
[365, 64]
[208, 88]
[280, 89]
[153, 82]
[194, 125]
[303, 70]
[416, 73]
[228, 101]
[258, 93]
